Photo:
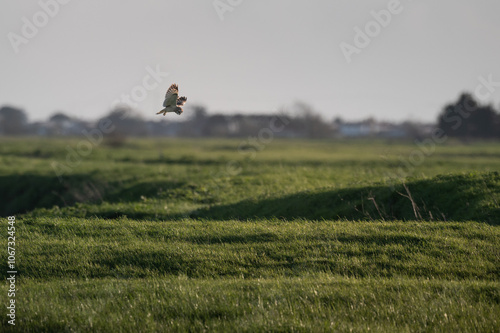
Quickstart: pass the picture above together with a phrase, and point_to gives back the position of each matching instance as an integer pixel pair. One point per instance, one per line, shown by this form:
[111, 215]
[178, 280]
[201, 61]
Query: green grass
[99, 248]
[179, 235]
[312, 303]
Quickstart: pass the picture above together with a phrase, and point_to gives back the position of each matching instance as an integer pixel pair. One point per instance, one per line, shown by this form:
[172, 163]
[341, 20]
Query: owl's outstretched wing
[181, 100]
[171, 96]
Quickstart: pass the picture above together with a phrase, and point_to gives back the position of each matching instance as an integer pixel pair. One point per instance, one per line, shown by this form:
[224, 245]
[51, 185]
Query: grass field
[216, 235]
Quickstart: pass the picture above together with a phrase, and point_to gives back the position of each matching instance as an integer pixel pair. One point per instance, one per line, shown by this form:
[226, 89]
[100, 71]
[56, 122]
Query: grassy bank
[214, 235]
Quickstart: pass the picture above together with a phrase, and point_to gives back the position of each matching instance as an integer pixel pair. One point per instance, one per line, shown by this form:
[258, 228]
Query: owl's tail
[164, 111]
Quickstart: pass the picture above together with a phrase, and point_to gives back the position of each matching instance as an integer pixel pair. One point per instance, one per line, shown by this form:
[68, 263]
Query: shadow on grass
[468, 197]
[452, 197]
[455, 197]
[24, 193]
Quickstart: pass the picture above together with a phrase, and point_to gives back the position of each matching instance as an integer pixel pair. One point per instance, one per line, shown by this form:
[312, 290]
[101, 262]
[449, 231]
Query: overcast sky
[248, 56]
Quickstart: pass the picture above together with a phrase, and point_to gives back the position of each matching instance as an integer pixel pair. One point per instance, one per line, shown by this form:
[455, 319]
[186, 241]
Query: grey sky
[262, 56]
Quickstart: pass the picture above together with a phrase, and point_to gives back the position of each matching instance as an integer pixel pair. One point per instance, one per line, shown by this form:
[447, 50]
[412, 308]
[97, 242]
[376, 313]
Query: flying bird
[173, 102]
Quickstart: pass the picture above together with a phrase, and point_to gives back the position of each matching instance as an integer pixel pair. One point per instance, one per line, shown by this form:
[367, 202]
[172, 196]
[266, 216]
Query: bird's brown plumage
[173, 102]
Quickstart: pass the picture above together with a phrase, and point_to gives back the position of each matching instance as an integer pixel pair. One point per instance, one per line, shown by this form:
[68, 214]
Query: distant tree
[59, 117]
[196, 122]
[313, 124]
[198, 112]
[125, 123]
[13, 121]
[58, 123]
[483, 123]
[216, 125]
[412, 130]
[467, 119]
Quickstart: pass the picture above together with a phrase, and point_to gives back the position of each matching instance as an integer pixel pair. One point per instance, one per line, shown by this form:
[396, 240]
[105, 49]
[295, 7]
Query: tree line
[464, 119]
[467, 119]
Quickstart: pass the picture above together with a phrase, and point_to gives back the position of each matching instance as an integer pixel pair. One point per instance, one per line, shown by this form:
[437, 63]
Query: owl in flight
[173, 102]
